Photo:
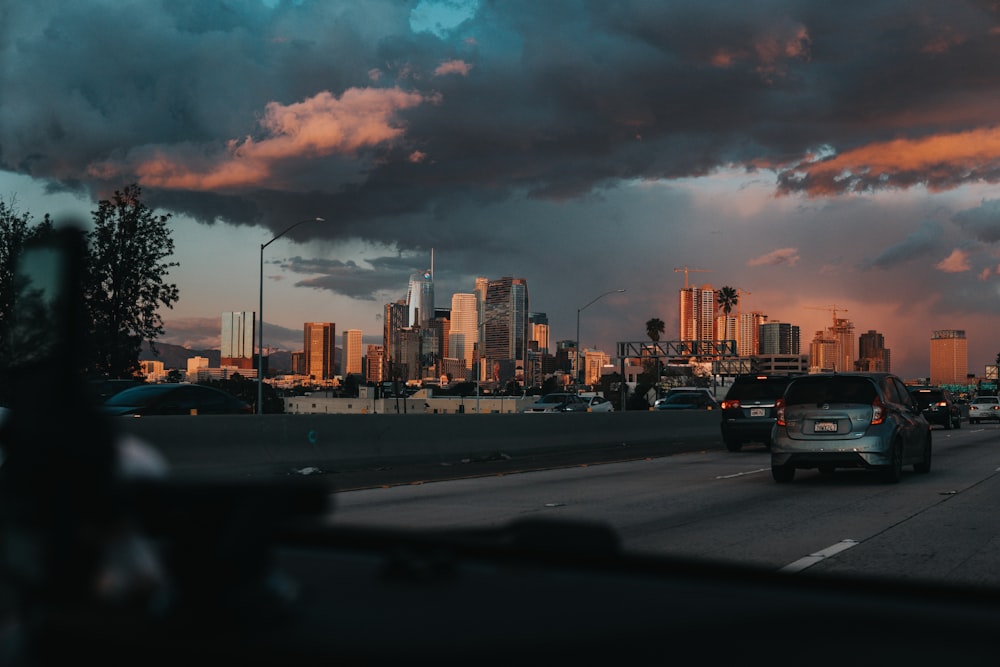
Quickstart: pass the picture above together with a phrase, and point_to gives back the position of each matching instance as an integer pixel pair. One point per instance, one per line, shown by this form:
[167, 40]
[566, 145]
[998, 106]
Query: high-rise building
[420, 297]
[395, 318]
[376, 364]
[320, 350]
[238, 338]
[842, 331]
[464, 331]
[949, 357]
[697, 313]
[505, 327]
[833, 349]
[539, 323]
[352, 352]
[873, 357]
[823, 352]
[778, 338]
[748, 333]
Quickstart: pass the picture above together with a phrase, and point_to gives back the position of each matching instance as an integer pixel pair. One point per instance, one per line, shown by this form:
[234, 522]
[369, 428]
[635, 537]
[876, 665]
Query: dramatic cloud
[562, 137]
[779, 257]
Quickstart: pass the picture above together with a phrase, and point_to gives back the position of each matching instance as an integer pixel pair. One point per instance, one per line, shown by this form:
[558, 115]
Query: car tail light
[779, 409]
[730, 404]
[941, 404]
[878, 411]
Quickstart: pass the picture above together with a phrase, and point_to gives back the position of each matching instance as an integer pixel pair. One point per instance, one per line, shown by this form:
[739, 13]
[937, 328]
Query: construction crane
[833, 308]
[686, 270]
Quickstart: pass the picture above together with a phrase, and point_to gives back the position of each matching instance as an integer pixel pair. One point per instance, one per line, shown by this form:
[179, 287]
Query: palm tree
[727, 299]
[654, 327]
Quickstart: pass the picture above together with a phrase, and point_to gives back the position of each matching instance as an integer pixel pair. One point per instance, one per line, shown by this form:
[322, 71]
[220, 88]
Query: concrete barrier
[284, 444]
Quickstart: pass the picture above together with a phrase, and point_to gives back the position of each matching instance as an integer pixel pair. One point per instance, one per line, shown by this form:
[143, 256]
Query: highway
[715, 505]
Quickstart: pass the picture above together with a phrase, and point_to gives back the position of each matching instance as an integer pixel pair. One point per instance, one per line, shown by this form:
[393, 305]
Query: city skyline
[803, 154]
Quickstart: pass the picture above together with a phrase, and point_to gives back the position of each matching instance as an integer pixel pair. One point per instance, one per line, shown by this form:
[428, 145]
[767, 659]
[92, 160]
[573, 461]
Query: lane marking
[819, 556]
[741, 474]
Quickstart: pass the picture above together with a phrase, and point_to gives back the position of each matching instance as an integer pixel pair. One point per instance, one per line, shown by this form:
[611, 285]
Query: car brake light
[730, 404]
[941, 404]
[779, 408]
[878, 411]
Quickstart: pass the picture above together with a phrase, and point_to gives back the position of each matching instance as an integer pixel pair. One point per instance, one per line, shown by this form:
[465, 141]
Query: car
[938, 406]
[558, 402]
[174, 399]
[597, 403]
[749, 407]
[984, 407]
[849, 420]
[687, 398]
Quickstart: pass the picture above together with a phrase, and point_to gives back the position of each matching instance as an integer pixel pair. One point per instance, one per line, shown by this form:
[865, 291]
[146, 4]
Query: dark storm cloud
[244, 113]
[983, 223]
[921, 243]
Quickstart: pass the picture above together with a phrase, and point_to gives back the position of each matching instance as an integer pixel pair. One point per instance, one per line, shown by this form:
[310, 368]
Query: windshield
[390, 228]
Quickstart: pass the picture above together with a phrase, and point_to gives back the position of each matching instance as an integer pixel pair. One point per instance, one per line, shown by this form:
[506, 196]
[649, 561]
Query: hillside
[176, 356]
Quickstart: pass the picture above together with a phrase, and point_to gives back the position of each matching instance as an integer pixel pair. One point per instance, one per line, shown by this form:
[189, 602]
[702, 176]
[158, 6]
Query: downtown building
[320, 350]
[505, 328]
[949, 357]
[352, 352]
[237, 341]
[873, 357]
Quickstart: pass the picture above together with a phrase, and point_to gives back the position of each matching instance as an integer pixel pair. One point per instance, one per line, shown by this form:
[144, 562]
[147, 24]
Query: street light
[260, 314]
[576, 358]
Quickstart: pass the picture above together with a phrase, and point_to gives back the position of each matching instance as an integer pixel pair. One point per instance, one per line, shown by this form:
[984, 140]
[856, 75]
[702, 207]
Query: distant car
[849, 420]
[174, 399]
[558, 402]
[695, 398]
[748, 409]
[938, 406]
[597, 403]
[984, 407]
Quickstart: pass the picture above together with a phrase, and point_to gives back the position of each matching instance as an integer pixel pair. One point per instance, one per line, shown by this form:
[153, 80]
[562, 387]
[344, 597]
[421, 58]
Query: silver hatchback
[849, 420]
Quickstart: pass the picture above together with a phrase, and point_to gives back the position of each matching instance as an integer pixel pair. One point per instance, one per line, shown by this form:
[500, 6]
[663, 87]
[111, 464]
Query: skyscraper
[320, 349]
[238, 337]
[420, 297]
[949, 357]
[464, 330]
[697, 313]
[395, 318]
[778, 338]
[352, 352]
[505, 326]
[873, 357]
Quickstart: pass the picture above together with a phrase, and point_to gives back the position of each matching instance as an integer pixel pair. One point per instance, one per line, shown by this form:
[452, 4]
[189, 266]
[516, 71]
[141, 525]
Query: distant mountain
[176, 356]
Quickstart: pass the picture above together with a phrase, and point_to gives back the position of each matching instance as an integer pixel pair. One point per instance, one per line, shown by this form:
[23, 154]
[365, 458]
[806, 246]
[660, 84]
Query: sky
[819, 157]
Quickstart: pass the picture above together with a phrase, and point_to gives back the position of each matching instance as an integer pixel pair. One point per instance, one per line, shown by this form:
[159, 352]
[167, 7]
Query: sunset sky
[813, 155]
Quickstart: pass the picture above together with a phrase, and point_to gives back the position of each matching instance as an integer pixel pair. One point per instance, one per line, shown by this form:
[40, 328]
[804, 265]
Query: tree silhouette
[654, 328]
[727, 299]
[126, 286]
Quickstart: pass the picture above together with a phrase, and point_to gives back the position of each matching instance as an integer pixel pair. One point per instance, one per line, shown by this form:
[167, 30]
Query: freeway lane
[717, 505]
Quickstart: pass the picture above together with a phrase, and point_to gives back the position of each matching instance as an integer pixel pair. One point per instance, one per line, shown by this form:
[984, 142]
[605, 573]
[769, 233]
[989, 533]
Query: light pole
[260, 314]
[576, 358]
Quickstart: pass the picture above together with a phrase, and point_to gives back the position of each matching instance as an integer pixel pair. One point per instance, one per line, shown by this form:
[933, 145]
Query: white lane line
[740, 474]
[814, 558]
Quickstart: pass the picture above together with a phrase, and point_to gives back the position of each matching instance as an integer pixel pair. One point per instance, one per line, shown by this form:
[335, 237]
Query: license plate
[825, 427]
[757, 412]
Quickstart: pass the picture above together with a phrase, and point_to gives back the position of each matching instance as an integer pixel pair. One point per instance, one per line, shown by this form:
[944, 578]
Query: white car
[984, 407]
[597, 403]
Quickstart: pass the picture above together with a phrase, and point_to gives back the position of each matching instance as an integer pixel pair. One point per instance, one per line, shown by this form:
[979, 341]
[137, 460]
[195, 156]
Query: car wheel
[892, 473]
[734, 445]
[925, 465]
[783, 474]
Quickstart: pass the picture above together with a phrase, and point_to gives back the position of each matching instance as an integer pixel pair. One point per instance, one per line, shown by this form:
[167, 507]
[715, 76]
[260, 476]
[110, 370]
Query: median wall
[289, 444]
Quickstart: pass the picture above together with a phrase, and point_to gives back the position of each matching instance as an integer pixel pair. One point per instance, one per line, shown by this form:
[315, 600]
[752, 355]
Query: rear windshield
[927, 396]
[758, 388]
[835, 389]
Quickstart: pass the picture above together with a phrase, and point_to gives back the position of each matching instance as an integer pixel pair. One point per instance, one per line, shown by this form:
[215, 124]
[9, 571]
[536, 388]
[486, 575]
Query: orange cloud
[939, 162]
[319, 126]
[788, 256]
[453, 67]
[956, 262]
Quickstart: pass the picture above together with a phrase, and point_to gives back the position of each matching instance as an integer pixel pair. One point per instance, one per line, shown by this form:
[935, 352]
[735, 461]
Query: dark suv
[938, 406]
[748, 409]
